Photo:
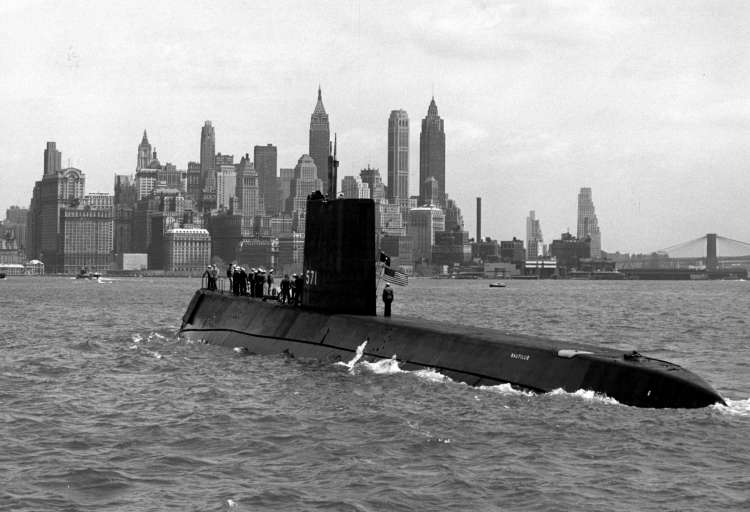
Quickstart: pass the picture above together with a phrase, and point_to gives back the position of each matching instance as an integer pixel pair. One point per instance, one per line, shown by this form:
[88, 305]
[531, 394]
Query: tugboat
[337, 318]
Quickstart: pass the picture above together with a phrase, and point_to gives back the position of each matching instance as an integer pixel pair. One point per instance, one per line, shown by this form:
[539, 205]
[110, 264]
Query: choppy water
[104, 408]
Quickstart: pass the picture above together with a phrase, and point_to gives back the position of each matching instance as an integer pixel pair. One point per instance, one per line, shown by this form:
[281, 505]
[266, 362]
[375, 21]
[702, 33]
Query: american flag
[395, 277]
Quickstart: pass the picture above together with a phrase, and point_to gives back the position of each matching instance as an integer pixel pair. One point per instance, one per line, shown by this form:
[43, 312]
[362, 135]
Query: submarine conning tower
[339, 261]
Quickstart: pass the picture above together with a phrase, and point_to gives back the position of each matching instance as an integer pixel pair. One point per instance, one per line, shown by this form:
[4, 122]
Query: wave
[734, 407]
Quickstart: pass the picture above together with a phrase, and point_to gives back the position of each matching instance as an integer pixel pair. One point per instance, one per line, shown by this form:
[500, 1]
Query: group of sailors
[257, 282]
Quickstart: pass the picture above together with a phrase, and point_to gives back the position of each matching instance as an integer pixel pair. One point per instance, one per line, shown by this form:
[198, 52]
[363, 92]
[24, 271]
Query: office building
[398, 158]
[187, 250]
[375, 183]
[432, 156]
[352, 187]
[320, 141]
[424, 222]
[265, 160]
[59, 188]
[588, 224]
[534, 238]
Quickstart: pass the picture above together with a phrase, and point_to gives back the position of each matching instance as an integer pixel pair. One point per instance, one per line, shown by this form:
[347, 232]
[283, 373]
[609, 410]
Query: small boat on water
[85, 274]
[2, 275]
[497, 285]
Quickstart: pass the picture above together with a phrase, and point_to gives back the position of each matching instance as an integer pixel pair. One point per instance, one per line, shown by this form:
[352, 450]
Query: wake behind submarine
[339, 311]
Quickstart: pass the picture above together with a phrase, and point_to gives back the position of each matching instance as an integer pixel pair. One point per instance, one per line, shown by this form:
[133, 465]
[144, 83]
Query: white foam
[734, 407]
[587, 395]
[431, 375]
[357, 356]
[507, 389]
[383, 366]
[137, 338]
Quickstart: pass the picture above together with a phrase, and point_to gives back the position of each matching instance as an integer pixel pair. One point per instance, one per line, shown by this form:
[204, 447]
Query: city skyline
[646, 105]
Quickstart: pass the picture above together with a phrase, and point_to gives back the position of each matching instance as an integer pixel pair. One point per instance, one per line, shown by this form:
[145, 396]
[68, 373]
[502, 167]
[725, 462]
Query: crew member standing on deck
[230, 271]
[387, 299]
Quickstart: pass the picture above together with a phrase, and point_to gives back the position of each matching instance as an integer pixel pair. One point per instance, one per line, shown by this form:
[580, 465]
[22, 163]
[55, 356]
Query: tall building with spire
[208, 166]
[320, 140]
[588, 224]
[432, 154]
[398, 158]
[144, 153]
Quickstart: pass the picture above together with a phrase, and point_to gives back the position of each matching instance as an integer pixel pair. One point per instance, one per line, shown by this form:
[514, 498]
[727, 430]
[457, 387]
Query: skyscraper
[432, 154]
[588, 225]
[398, 158]
[320, 140]
[58, 189]
[144, 153]
[265, 159]
[534, 236]
[208, 166]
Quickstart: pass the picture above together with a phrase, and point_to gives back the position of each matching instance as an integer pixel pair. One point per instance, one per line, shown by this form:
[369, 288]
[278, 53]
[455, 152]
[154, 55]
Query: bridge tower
[712, 262]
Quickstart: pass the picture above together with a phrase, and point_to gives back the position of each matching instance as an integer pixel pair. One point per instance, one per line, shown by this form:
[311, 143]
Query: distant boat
[85, 274]
[2, 275]
[497, 285]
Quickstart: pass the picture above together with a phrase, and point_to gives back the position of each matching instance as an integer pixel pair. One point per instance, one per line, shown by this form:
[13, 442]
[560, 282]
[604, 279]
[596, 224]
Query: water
[105, 408]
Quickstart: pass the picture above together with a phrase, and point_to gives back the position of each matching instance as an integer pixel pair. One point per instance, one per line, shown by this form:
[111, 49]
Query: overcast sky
[647, 103]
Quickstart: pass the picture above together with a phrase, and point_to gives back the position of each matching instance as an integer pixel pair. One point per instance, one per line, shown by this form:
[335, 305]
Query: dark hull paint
[473, 355]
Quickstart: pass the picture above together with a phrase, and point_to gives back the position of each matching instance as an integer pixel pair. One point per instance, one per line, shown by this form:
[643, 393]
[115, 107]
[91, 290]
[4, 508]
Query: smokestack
[479, 219]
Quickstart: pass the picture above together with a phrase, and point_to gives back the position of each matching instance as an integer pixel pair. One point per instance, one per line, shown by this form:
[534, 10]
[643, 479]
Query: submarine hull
[476, 356]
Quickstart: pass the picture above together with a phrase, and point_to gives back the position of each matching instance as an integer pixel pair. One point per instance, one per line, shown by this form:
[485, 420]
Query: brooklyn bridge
[708, 257]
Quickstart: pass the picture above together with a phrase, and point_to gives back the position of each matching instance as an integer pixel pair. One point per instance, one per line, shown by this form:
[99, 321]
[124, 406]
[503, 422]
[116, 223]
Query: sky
[647, 103]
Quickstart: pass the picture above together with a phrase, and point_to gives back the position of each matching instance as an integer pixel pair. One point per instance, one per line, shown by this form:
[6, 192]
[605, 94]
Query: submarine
[338, 315]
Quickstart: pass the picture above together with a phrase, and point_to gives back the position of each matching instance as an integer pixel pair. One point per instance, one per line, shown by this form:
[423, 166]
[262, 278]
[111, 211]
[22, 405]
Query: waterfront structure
[569, 251]
[320, 141]
[487, 250]
[451, 247]
[398, 158]
[534, 238]
[352, 187]
[187, 250]
[424, 222]
[400, 249]
[588, 225]
[375, 183]
[432, 156]
[265, 159]
[59, 188]
[512, 251]
[87, 235]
